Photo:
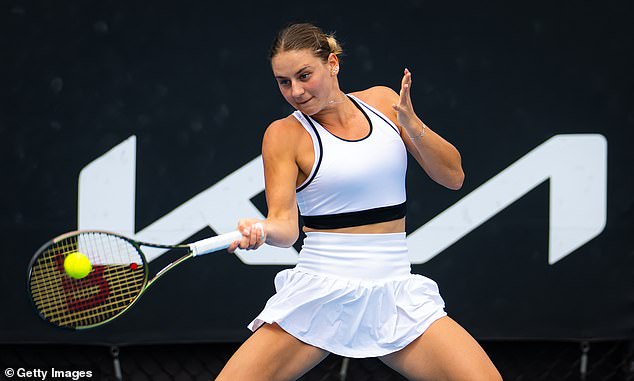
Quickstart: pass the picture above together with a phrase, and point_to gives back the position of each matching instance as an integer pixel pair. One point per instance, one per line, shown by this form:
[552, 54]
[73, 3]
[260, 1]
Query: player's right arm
[279, 154]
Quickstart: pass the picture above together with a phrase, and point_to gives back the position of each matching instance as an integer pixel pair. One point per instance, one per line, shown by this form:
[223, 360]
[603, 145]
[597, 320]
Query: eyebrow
[296, 73]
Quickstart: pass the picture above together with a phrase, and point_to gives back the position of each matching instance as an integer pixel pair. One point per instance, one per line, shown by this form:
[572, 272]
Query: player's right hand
[253, 235]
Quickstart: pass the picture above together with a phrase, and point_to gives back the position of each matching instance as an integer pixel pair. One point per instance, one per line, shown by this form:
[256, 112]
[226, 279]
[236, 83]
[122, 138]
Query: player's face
[305, 81]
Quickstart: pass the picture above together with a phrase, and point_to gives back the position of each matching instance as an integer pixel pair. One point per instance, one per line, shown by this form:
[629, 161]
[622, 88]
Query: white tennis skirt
[353, 295]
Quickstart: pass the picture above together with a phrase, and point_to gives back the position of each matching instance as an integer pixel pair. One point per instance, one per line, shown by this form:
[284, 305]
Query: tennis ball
[77, 265]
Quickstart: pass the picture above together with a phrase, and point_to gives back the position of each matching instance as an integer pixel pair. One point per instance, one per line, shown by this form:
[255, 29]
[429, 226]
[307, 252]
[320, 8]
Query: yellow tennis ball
[77, 265]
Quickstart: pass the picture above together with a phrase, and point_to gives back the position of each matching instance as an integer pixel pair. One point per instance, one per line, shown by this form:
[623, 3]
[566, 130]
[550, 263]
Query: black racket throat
[84, 279]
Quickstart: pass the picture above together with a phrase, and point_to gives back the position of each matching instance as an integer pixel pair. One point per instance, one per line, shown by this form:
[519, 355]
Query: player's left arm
[439, 158]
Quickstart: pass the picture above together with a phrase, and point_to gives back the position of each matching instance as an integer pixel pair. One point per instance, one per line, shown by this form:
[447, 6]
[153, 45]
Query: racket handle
[218, 242]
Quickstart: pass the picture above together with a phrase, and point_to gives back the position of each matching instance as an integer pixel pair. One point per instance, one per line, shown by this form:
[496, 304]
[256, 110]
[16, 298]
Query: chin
[310, 112]
[310, 109]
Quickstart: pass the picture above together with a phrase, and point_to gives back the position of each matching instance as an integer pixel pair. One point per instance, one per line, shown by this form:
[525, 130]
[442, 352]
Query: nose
[296, 90]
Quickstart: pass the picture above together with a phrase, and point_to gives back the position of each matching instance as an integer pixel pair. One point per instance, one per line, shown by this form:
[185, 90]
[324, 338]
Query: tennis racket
[117, 279]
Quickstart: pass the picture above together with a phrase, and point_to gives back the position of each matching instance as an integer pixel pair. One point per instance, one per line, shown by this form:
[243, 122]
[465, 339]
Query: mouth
[304, 102]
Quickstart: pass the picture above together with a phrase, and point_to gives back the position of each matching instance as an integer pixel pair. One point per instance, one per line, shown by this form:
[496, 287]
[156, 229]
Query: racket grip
[218, 242]
[212, 244]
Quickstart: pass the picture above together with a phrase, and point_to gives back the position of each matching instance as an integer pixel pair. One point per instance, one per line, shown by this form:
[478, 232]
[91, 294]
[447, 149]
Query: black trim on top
[362, 217]
[351, 140]
[389, 123]
[321, 154]
[366, 117]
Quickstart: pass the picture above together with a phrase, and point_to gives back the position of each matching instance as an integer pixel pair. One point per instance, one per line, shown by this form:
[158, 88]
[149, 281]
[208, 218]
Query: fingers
[232, 248]
[406, 84]
[253, 236]
[404, 94]
[407, 79]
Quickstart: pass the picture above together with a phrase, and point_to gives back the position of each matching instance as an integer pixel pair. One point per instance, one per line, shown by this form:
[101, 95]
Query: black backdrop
[191, 81]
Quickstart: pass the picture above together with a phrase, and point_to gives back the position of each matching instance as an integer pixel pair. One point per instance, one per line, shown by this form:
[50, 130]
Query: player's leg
[271, 354]
[445, 351]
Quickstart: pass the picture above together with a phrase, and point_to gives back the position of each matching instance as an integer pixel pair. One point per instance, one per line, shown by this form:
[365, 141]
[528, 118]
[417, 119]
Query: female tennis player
[342, 159]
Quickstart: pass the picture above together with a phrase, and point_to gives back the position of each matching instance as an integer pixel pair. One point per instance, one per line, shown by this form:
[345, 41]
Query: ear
[333, 63]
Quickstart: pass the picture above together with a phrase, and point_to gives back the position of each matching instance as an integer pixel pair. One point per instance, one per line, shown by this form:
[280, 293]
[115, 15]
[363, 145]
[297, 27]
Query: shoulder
[377, 96]
[288, 127]
[284, 134]
[381, 98]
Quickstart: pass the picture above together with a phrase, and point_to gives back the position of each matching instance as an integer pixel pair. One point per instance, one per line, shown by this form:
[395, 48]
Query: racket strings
[79, 301]
[117, 278]
[128, 289]
[46, 277]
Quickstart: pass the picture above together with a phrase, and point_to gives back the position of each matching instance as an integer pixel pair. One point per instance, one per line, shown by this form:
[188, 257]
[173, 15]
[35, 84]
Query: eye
[304, 76]
[283, 82]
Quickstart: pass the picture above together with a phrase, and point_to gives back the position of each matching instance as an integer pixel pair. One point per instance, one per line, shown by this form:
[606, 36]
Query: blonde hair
[306, 36]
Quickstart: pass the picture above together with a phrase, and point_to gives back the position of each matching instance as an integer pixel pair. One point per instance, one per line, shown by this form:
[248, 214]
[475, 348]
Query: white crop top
[354, 182]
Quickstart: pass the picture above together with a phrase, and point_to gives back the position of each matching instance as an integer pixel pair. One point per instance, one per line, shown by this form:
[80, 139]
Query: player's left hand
[404, 110]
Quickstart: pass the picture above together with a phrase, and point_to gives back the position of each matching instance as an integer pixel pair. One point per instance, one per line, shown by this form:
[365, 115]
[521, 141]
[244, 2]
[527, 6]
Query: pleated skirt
[353, 295]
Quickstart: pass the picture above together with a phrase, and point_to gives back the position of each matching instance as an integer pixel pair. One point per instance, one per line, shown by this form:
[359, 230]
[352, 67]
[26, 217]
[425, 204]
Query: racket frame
[191, 248]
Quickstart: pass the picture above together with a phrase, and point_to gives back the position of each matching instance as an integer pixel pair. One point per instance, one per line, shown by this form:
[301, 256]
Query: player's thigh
[446, 351]
[271, 354]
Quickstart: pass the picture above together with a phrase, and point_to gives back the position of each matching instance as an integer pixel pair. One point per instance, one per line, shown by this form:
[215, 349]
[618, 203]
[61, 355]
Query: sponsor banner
[109, 124]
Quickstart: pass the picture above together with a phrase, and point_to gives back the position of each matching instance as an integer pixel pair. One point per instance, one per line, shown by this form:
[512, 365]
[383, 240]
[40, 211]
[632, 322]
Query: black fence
[517, 361]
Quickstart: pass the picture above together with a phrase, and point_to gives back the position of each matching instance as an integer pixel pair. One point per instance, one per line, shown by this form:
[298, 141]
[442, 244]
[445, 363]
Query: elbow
[284, 243]
[291, 239]
[456, 181]
[293, 235]
[283, 234]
